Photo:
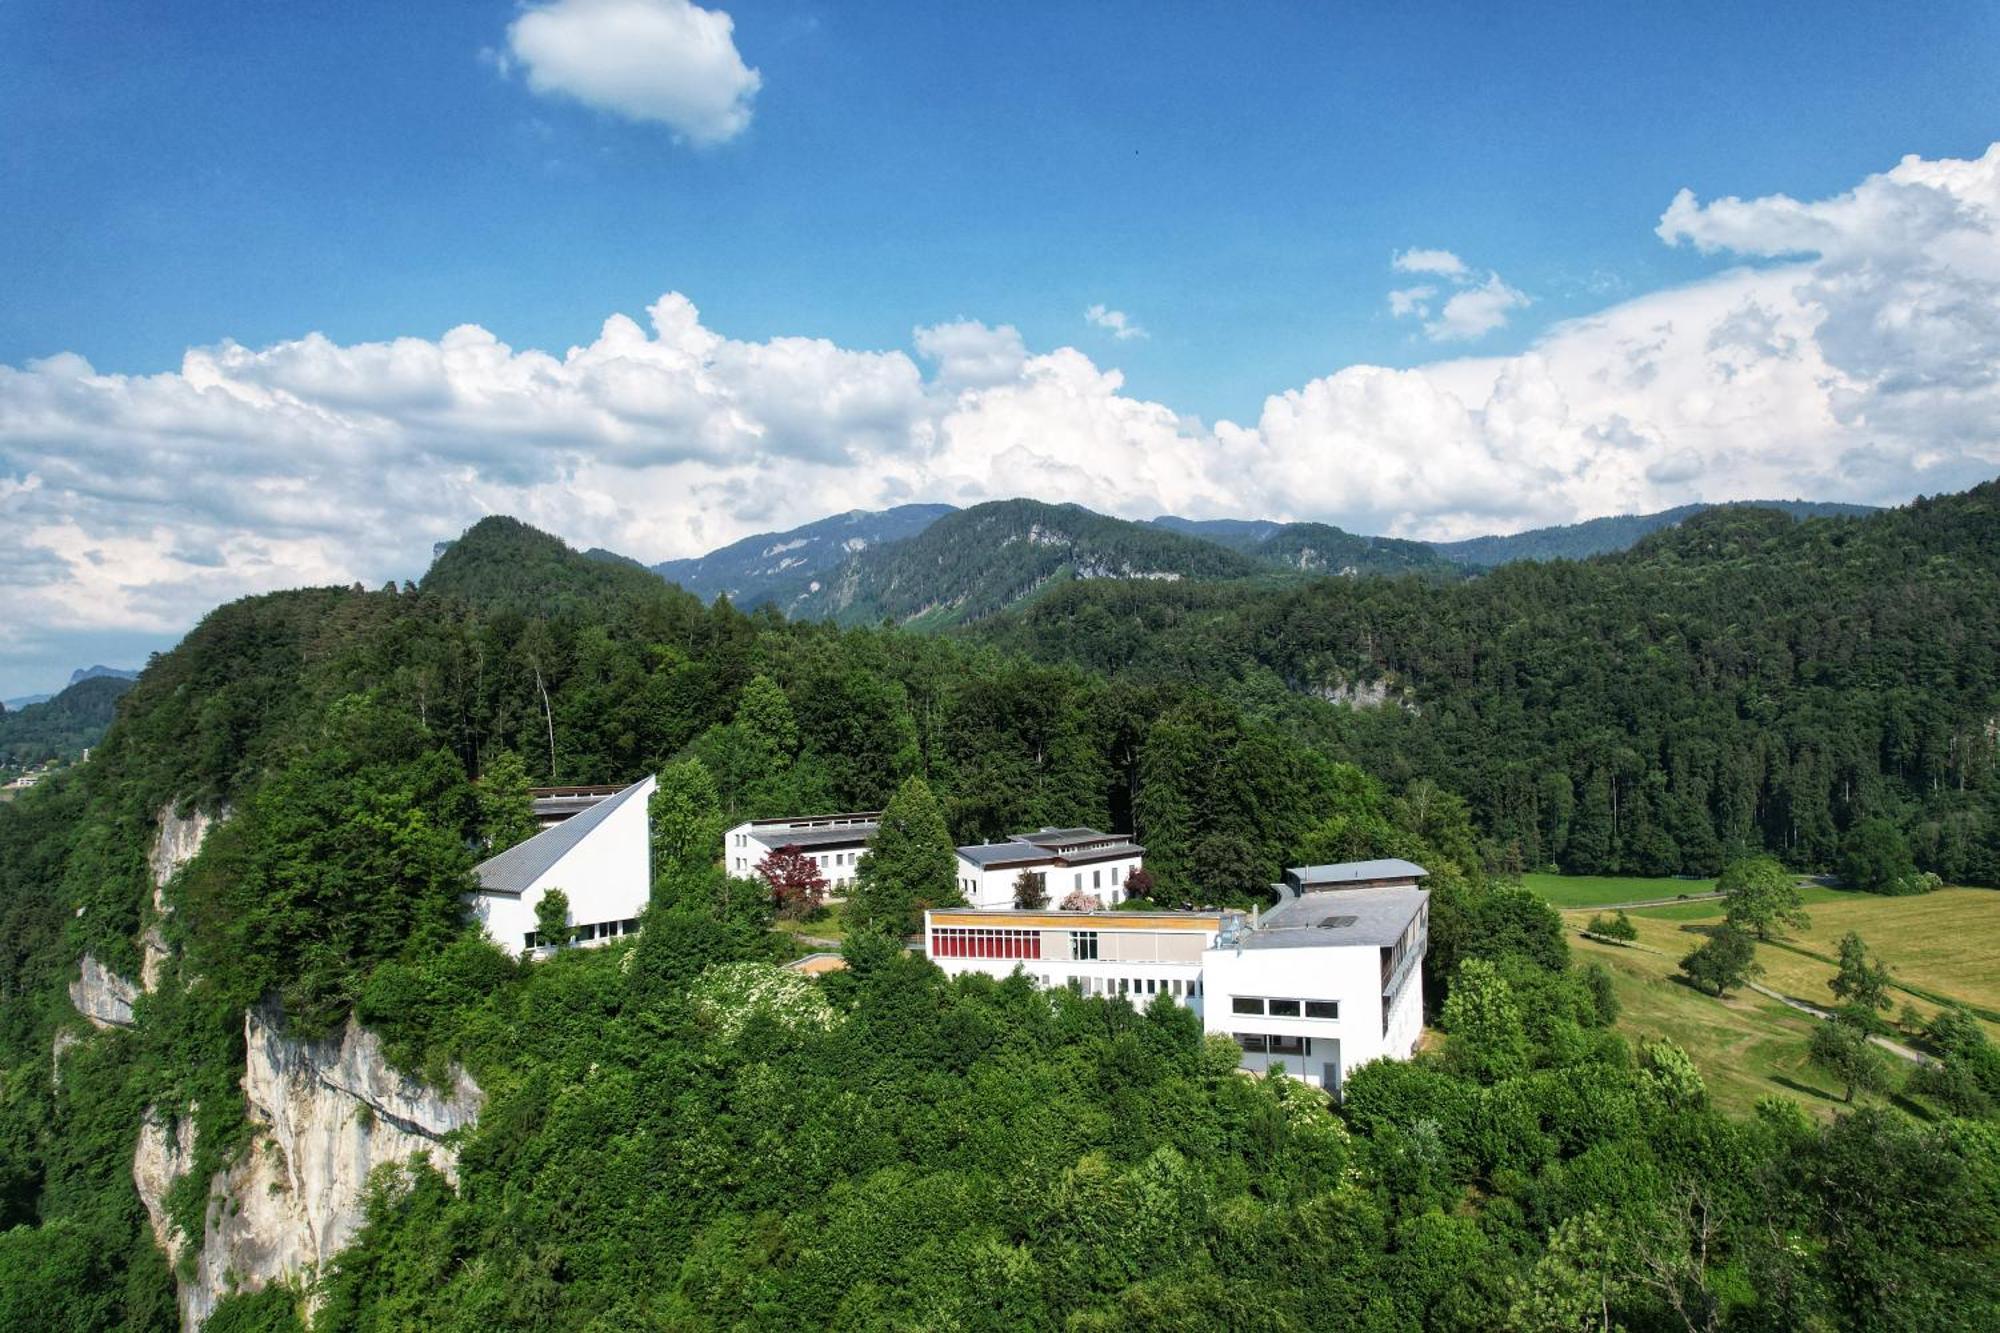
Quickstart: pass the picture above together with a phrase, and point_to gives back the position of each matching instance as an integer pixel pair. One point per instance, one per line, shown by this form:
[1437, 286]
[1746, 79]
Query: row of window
[983, 942]
[1173, 987]
[596, 930]
[1272, 1043]
[1255, 1004]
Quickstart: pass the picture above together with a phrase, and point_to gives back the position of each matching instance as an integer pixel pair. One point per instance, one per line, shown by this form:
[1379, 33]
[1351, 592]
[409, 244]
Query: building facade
[1317, 986]
[602, 860]
[833, 842]
[1071, 861]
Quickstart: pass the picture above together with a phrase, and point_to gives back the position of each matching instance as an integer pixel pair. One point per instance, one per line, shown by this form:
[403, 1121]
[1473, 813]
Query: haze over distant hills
[935, 563]
[76, 677]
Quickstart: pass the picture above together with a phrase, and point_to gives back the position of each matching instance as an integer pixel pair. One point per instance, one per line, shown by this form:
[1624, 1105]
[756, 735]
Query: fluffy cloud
[1862, 365]
[1474, 308]
[1115, 322]
[665, 61]
[1441, 262]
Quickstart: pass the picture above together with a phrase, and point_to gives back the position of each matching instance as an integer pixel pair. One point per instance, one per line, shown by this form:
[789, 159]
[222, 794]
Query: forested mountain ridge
[1618, 532]
[785, 567]
[64, 726]
[977, 561]
[1740, 680]
[884, 1149]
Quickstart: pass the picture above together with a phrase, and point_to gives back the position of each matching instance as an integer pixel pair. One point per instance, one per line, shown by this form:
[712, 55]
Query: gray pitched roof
[810, 839]
[521, 865]
[1350, 917]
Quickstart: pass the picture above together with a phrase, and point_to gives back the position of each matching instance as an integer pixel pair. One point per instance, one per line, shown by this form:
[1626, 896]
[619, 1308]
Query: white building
[1070, 860]
[833, 842]
[601, 858]
[1320, 984]
[552, 805]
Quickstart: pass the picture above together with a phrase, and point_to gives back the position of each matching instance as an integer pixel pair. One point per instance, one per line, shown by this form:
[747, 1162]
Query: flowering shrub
[728, 996]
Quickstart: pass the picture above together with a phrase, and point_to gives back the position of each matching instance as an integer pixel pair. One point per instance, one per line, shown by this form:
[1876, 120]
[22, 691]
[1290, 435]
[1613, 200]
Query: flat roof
[840, 835]
[1321, 920]
[1057, 837]
[815, 821]
[1348, 872]
[521, 865]
[1006, 854]
[1106, 920]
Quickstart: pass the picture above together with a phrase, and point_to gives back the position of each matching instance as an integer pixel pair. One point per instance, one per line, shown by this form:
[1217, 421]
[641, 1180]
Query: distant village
[1324, 981]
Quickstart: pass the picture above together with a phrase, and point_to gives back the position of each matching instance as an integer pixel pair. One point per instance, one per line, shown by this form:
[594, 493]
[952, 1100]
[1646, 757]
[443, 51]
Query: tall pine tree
[909, 866]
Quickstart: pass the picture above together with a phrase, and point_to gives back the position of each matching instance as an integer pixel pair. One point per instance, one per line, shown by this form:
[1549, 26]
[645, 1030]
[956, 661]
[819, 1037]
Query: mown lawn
[1597, 890]
[1746, 1046]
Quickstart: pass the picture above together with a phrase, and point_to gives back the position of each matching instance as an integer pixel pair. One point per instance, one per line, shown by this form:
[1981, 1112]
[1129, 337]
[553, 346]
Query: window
[1322, 1009]
[1097, 879]
[1277, 1045]
[1244, 1004]
[1250, 1041]
[960, 942]
[1114, 874]
[1079, 879]
[1083, 945]
[1152, 986]
[1284, 1009]
[528, 940]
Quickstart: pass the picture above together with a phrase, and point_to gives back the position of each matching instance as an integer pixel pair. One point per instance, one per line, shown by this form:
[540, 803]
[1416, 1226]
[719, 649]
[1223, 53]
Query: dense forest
[678, 1136]
[1741, 681]
[60, 728]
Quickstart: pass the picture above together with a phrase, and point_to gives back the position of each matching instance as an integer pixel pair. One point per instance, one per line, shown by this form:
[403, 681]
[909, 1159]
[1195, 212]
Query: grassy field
[1597, 890]
[1746, 1047]
[1946, 944]
[833, 926]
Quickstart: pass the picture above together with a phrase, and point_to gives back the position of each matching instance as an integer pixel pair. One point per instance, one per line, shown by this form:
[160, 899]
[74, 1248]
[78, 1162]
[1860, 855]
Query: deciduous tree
[797, 886]
[1760, 895]
[1726, 960]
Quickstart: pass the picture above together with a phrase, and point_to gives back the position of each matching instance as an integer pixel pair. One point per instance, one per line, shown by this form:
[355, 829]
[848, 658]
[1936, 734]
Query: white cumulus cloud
[664, 61]
[1115, 322]
[1441, 262]
[1474, 307]
[1862, 366]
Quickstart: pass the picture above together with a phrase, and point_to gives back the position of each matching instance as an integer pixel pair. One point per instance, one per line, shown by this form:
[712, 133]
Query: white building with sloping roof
[601, 858]
[1069, 860]
[834, 843]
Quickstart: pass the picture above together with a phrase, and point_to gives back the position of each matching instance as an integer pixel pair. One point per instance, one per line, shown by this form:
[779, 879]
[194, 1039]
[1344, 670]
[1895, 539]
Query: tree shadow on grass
[1817, 1094]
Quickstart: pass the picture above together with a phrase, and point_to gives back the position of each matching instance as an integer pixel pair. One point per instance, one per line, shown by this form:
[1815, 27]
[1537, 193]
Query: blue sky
[826, 181]
[1237, 181]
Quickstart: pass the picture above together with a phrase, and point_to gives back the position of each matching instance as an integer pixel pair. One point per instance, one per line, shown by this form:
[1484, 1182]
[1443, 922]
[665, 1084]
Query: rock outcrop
[165, 1154]
[327, 1113]
[102, 996]
[177, 841]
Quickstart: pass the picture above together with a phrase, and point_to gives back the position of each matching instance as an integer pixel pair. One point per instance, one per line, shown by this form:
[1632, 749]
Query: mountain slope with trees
[1739, 682]
[784, 567]
[62, 728]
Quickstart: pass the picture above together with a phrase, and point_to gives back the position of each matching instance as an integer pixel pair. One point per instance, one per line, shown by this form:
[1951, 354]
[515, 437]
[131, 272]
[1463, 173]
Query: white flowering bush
[728, 995]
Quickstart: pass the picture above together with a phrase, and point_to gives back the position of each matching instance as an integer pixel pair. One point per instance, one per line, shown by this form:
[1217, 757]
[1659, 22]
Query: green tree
[1861, 981]
[910, 865]
[1486, 1035]
[1842, 1049]
[1875, 856]
[1727, 959]
[1031, 890]
[506, 809]
[687, 823]
[552, 918]
[1616, 927]
[1760, 895]
[765, 718]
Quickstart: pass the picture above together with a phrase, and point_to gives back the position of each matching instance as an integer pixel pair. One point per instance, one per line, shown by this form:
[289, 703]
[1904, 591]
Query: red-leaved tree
[1139, 884]
[796, 885]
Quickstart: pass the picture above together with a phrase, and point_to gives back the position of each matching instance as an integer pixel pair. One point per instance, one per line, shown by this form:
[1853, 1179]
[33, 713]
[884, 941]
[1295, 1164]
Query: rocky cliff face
[102, 996]
[177, 842]
[326, 1113]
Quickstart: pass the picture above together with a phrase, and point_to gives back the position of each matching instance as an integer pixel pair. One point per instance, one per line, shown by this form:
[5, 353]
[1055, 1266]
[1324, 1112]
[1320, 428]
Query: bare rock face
[177, 842]
[165, 1154]
[102, 996]
[329, 1112]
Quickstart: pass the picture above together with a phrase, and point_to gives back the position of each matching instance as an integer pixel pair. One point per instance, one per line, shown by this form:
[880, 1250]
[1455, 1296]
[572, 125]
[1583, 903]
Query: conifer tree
[908, 867]
[506, 809]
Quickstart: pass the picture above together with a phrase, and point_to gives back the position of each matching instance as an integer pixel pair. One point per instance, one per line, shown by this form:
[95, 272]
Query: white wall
[993, 890]
[1350, 975]
[742, 849]
[608, 877]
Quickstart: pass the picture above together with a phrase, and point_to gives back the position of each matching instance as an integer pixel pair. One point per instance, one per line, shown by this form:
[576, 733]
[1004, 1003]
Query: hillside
[1742, 679]
[977, 561]
[65, 726]
[1603, 536]
[783, 568]
[1318, 548]
[239, 984]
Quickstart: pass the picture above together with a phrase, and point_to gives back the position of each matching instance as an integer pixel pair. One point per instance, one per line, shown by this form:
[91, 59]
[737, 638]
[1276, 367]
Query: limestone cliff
[176, 842]
[102, 996]
[325, 1114]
